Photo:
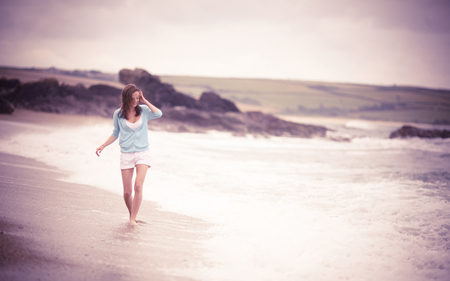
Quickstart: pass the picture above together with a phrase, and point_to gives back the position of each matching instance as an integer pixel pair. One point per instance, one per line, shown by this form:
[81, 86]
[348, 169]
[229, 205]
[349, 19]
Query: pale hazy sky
[362, 41]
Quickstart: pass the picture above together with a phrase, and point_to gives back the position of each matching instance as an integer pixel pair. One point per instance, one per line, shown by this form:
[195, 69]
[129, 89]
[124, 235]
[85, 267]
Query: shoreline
[21, 115]
[52, 229]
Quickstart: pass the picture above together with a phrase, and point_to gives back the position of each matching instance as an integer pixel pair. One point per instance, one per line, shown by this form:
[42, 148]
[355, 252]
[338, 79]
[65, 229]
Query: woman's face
[135, 99]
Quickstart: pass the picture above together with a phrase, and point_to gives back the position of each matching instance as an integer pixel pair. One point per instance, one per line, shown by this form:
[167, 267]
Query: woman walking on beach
[130, 123]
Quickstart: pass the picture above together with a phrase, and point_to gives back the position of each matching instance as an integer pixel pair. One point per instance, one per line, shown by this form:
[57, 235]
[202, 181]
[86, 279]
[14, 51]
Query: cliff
[410, 131]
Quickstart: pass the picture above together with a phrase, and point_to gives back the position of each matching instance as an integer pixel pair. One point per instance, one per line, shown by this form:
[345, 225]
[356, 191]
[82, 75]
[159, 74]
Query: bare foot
[133, 222]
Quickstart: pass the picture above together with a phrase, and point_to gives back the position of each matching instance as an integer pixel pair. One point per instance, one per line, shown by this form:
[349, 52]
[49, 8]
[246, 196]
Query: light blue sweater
[131, 140]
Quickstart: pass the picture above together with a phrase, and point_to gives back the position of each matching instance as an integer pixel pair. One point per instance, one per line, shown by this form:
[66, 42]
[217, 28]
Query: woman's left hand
[153, 108]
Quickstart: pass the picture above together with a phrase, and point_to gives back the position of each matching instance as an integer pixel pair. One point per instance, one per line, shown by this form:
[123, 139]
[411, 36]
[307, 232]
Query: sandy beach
[54, 230]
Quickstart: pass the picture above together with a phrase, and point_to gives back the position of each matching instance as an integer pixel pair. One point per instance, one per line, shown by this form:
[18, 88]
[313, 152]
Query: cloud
[88, 18]
[383, 42]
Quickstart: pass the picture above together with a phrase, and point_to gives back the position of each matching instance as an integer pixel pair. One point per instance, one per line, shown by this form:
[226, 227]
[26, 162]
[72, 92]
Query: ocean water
[284, 208]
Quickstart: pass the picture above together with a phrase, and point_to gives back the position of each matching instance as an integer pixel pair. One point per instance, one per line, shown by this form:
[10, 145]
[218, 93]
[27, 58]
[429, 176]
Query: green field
[396, 103]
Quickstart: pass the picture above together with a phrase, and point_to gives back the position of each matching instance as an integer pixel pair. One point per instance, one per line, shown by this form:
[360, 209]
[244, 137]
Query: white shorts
[130, 160]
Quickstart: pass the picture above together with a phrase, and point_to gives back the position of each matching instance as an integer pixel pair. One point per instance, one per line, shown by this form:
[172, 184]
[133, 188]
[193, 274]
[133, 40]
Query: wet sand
[54, 230]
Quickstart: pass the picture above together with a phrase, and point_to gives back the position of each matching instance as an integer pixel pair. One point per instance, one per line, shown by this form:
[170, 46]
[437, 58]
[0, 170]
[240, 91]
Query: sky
[381, 42]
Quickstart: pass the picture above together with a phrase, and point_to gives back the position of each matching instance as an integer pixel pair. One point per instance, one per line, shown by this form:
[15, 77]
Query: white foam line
[26, 125]
[30, 167]
[100, 212]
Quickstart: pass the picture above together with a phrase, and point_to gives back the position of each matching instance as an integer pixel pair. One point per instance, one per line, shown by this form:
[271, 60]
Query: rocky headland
[410, 131]
[182, 113]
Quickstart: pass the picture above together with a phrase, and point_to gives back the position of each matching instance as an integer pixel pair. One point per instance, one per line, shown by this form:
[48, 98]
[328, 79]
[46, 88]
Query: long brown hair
[127, 97]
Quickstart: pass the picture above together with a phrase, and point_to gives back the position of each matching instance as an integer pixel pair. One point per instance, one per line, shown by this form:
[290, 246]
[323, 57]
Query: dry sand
[54, 230]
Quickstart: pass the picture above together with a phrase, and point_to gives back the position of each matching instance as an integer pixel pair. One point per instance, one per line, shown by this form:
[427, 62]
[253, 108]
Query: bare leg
[141, 172]
[127, 180]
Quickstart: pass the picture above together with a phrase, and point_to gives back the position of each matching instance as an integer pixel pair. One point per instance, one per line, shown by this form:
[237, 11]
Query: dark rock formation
[7, 88]
[7, 85]
[194, 120]
[260, 123]
[107, 97]
[105, 91]
[6, 106]
[211, 101]
[255, 123]
[410, 131]
[49, 96]
[164, 95]
[161, 94]
[182, 113]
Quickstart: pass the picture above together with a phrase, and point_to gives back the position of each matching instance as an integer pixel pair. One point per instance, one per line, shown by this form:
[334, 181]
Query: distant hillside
[87, 78]
[387, 103]
[303, 98]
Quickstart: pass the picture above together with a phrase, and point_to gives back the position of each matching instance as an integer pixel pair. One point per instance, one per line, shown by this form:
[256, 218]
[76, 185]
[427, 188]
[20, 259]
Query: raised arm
[143, 100]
